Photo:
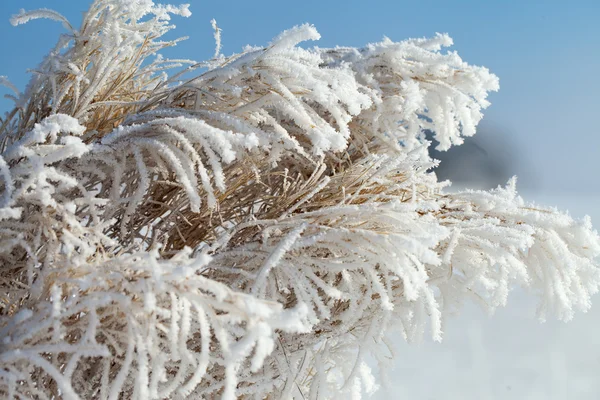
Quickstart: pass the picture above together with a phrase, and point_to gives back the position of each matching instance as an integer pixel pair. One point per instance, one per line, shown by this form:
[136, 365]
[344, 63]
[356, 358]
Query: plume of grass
[255, 230]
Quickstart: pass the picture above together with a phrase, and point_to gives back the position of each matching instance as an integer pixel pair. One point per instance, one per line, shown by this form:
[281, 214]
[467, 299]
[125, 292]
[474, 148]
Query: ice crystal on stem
[252, 226]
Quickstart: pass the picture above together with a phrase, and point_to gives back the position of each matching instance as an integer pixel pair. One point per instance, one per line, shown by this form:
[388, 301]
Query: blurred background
[542, 126]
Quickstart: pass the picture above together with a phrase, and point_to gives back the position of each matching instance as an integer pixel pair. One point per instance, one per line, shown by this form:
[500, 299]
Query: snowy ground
[509, 355]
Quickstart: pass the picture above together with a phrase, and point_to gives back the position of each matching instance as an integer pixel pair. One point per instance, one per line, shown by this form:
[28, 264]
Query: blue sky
[546, 53]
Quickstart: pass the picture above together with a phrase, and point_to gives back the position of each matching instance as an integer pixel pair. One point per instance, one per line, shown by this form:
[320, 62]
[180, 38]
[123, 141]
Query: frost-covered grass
[509, 355]
[253, 226]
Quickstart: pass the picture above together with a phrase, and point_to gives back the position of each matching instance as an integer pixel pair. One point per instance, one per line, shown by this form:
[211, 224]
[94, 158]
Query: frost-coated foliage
[253, 226]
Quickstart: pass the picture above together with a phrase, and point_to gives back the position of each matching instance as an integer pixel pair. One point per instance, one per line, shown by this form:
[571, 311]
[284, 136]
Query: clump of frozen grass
[254, 231]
